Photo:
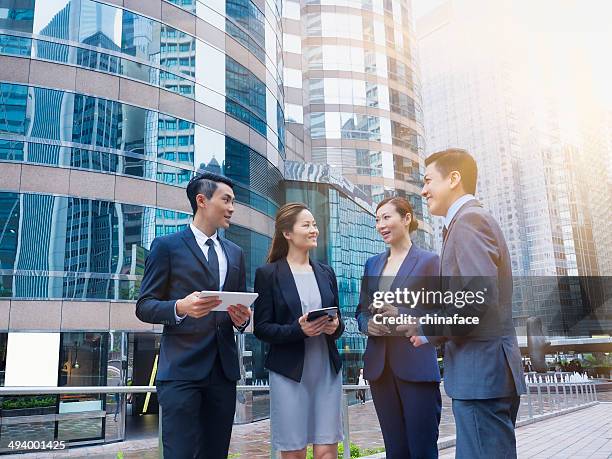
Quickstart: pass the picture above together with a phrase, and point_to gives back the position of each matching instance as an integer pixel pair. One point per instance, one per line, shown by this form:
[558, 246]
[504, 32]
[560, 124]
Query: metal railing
[561, 395]
[561, 389]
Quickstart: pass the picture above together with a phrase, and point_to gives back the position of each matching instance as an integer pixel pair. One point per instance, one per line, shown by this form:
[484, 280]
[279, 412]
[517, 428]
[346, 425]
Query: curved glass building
[107, 109]
[351, 87]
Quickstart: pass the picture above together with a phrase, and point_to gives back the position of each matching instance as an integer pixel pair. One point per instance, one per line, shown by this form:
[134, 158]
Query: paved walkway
[583, 433]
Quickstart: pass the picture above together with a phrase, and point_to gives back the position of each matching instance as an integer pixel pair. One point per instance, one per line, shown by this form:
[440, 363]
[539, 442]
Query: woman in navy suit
[304, 363]
[404, 380]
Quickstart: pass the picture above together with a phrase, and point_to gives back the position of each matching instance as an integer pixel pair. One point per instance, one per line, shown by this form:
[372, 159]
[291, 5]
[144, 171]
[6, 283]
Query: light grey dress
[308, 412]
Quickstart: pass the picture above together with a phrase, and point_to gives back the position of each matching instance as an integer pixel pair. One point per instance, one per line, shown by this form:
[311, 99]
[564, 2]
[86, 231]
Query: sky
[422, 7]
[578, 31]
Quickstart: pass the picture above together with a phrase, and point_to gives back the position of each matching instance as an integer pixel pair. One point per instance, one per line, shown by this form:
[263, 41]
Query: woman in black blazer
[304, 363]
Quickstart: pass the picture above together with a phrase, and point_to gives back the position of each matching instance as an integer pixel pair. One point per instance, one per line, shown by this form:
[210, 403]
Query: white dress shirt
[201, 239]
[454, 208]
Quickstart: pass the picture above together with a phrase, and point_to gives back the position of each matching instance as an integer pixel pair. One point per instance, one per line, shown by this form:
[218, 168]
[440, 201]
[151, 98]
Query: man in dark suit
[198, 361]
[482, 363]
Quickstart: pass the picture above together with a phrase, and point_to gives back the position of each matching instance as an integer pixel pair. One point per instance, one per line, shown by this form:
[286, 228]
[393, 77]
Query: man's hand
[388, 311]
[375, 329]
[194, 306]
[331, 326]
[313, 328]
[417, 341]
[239, 314]
[409, 330]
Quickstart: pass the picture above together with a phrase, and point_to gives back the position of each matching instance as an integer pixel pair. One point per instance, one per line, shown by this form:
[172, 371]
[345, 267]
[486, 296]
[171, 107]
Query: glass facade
[108, 39]
[83, 359]
[59, 247]
[359, 103]
[109, 136]
[347, 239]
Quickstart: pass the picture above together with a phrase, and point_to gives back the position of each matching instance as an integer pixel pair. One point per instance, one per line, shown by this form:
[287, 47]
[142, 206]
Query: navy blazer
[277, 310]
[418, 364]
[175, 268]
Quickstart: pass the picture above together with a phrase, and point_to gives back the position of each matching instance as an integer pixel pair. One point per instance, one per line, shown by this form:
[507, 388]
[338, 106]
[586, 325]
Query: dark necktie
[213, 262]
[444, 233]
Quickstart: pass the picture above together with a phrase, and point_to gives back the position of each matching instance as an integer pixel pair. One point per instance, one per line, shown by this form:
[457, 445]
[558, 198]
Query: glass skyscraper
[352, 95]
[533, 158]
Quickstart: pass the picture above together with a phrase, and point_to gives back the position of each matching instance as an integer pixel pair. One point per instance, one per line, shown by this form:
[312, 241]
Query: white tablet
[229, 298]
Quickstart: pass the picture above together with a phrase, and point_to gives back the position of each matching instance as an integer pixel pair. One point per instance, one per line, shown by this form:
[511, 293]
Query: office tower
[352, 96]
[491, 84]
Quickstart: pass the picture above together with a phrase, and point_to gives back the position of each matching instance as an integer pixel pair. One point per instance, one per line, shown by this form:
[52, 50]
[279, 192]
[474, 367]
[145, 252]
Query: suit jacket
[277, 310]
[176, 267]
[417, 364]
[484, 361]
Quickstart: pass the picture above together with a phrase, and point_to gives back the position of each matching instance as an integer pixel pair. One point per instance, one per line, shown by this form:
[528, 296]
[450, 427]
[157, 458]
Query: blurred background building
[503, 81]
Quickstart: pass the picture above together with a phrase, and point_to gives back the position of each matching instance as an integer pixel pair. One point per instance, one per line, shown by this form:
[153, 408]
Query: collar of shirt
[201, 238]
[454, 208]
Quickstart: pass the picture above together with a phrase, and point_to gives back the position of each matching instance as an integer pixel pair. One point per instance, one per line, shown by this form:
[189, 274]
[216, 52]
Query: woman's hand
[331, 326]
[313, 328]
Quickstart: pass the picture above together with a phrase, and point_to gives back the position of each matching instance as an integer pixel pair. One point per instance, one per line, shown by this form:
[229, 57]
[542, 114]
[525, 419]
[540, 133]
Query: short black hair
[456, 159]
[205, 183]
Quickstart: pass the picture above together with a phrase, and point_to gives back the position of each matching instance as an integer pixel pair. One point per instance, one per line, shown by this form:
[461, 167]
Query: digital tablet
[229, 298]
[316, 313]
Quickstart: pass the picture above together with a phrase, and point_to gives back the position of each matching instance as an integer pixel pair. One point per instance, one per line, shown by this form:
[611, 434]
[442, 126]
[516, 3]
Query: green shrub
[27, 402]
[355, 451]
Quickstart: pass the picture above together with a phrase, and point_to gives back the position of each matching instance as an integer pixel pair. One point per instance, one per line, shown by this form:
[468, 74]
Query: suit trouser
[197, 416]
[409, 416]
[485, 428]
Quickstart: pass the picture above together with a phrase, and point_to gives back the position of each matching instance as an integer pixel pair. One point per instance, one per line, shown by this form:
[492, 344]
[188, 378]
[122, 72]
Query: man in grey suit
[482, 363]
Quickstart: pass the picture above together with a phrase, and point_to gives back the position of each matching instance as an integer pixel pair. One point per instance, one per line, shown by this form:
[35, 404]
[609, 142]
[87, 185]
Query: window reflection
[57, 19]
[75, 235]
[246, 96]
[402, 104]
[17, 16]
[15, 46]
[100, 25]
[99, 134]
[210, 69]
[107, 27]
[141, 37]
[246, 24]
[13, 106]
[76, 248]
[354, 126]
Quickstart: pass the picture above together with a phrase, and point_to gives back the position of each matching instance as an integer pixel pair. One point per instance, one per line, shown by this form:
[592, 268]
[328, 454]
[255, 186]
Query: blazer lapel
[288, 287]
[379, 264]
[189, 239]
[406, 267]
[327, 297]
[470, 203]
